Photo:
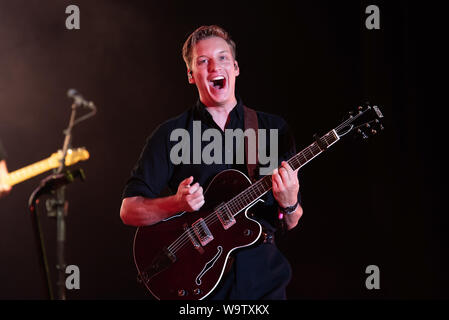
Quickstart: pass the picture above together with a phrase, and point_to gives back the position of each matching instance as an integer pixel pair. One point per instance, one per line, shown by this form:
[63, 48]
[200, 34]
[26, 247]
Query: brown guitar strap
[250, 117]
[251, 122]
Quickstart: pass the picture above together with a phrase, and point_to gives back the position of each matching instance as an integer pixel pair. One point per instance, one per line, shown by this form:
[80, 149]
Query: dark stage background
[366, 203]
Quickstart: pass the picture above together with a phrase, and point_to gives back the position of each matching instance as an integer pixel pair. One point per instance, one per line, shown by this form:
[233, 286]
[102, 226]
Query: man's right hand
[139, 211]
[189, 197]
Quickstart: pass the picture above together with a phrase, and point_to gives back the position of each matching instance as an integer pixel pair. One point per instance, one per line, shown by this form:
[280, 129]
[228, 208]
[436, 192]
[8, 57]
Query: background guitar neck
[30, 171]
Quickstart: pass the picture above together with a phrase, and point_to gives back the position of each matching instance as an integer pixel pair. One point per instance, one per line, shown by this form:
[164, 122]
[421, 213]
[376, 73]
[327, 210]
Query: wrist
[288, 209]
[175, 204]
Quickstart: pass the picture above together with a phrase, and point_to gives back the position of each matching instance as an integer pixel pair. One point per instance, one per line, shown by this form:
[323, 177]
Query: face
[213, 70]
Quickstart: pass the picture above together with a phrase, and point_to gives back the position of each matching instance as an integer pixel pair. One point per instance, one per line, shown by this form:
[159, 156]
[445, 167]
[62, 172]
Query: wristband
[289, 210]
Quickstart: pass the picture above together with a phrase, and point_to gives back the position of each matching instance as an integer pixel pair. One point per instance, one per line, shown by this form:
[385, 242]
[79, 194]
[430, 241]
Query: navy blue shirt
[258, 272]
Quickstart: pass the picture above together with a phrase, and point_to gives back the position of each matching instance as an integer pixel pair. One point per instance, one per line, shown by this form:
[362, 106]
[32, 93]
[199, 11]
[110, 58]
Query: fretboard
[30, 171]
[263, 185]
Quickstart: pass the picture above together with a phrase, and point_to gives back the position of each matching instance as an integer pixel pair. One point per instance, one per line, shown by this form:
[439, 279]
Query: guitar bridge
[225, 216]
[202, 232]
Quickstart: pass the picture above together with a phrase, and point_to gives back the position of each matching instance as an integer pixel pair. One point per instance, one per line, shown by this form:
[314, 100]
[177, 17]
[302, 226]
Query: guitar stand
[56, 207]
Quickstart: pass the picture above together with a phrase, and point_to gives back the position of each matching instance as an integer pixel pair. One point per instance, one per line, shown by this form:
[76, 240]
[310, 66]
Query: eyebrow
[222, 51]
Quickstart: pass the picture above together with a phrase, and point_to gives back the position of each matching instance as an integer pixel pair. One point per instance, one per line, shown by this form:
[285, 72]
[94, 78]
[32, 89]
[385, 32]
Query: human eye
[201, 61]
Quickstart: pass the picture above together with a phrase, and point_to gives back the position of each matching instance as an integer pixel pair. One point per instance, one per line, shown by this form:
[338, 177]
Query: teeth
[217, 78]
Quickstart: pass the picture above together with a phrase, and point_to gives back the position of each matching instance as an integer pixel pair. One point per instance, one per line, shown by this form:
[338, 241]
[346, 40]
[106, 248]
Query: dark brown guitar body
[170, 265]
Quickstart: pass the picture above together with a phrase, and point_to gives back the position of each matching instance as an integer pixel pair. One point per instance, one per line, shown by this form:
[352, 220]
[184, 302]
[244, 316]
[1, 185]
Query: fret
[315, 149]
[260, 187]
[303, 160]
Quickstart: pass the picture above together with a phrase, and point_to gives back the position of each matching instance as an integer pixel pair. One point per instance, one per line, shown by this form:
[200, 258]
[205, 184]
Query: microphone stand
[57, 207]
[61, 206]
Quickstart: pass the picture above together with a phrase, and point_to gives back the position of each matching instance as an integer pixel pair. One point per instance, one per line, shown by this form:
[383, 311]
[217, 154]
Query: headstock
[73, 156]
[365, 121]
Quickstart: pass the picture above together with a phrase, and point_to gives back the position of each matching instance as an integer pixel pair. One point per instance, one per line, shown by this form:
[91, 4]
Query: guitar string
[213, 217]
[209, 220]
[246, 194]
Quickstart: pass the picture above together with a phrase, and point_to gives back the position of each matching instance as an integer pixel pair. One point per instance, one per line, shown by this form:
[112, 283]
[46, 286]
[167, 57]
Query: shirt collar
[201, 112]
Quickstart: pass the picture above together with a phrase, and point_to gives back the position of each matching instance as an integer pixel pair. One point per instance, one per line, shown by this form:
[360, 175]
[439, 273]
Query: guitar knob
[197, 291]
[247, 232]
[182, 293]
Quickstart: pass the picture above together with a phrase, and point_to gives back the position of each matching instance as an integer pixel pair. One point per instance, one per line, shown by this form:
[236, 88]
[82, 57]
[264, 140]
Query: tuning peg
[364, 136]
[373, 131]
[367, 125]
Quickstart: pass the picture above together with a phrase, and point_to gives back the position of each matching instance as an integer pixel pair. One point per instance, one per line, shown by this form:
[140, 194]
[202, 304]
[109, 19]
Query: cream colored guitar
[73, 156]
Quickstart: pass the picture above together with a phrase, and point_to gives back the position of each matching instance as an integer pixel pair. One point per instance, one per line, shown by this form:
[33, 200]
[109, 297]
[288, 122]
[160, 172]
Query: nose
[213, 65]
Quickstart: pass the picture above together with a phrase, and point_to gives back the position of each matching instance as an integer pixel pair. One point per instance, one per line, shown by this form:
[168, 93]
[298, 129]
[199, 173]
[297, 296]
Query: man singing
[259, 271]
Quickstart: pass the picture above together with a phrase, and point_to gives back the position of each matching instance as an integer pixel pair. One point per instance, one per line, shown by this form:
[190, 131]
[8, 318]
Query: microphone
[79, 100]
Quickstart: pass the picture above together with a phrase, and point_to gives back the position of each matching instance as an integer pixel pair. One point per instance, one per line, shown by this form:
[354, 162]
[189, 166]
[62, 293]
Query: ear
[236, 67]
[190, 76]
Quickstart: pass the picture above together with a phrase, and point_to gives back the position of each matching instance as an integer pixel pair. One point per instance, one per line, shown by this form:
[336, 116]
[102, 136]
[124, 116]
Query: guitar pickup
[202, 232]
[192, 238]
[225, 216]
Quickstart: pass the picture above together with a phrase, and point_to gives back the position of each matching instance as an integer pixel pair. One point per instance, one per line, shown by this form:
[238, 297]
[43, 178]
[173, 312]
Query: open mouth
[218, 82]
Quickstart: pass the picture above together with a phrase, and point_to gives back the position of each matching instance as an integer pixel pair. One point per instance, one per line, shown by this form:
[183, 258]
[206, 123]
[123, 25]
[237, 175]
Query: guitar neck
[30, 171]
[263, 185]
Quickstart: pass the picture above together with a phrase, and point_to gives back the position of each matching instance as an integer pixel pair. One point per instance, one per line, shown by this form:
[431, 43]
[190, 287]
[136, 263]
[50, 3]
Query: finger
[290, 170]
[194, 196]
[199, 205]
[199, 190]
[284, 175]
[277, 179]
[194, 188]
[186, 181]
[195, 202]
[287, 167]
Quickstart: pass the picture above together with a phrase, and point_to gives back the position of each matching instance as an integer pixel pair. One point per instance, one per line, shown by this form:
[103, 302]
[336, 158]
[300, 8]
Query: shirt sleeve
[153, 169]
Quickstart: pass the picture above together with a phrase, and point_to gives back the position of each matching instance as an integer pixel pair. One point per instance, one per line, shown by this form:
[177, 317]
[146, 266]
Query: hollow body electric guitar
[184, 256]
